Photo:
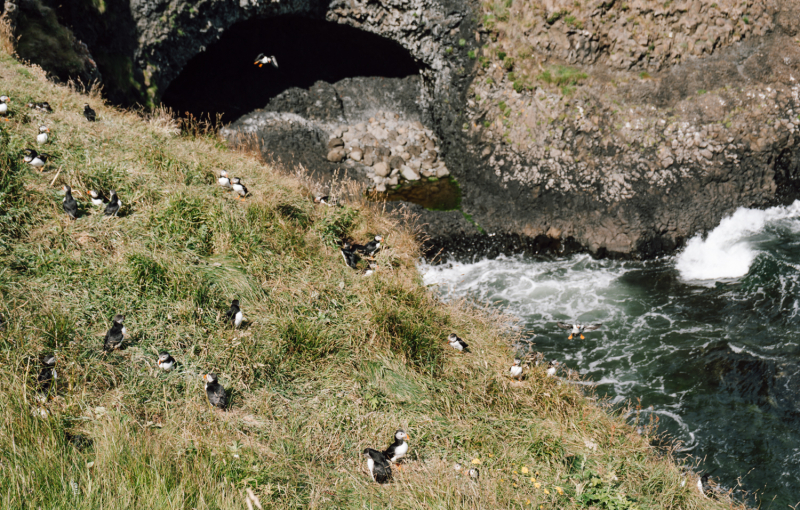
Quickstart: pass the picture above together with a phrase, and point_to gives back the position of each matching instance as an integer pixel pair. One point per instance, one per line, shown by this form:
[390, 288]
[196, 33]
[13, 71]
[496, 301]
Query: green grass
[329, 362]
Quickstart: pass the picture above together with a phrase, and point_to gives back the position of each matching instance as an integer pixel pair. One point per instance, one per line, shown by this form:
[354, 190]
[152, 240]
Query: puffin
[474, 473]
[238, 187]
[262, 59]
[369, 271]
[578, 328]
[47, 374]
[398, 449]
[349, 254]
[98, 197]
[516, 369]
[90, 114]
[457, 344]
[234, 314]
[552, 367]
[378, 465]
[224, 180]
[70, 205]
[41, 138]
[371, 248]
[326, 200]
[115, 335]
[44, 106]
[114, 204]
[35, 159]
[703, 485]
[215, 391]
[165, 361]
[4, 105]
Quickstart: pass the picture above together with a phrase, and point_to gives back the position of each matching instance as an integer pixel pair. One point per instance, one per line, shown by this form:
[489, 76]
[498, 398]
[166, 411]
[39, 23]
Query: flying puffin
[215, 391]
[378, 465]
[371, 248]
[41, 138]
[98, 197]
[234, 314]
[474, 473]
[224, 180]
[398, 449]
[457, 344]
[114, 204]
[327, 200]
[238, 187]
[4, 105]
[35, 159]
[577, 328]
[516, 369]
[552, 367]
[90, 114]
[115, 335]
[349, 254]
[165, 361]
[70, 205]
[47, 374]
[262, 59]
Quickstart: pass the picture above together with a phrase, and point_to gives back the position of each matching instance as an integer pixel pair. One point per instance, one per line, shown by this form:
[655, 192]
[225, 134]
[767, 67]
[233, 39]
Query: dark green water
[707, 340]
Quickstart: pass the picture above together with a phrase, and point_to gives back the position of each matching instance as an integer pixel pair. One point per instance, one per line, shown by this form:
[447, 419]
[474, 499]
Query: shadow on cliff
[223, 79]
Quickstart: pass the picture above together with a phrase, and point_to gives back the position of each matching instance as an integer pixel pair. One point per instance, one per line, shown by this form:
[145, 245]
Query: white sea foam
[728, 251]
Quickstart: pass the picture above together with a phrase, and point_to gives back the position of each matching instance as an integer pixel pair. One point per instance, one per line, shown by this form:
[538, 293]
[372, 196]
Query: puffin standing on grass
[371, 248]
[239, 188]
[215, 392]
[398, 449]
[224, 180]
[552, 367]
[114, 204]
[165, 361]
[4, 105]
[578, 328]
[70, 205]
[349, 254]
[47, 374]
[41, 138]
[90, 114]
[516, 369]
[234, 314]
[34, 159]
[379, 467]
[44, 106]
[115, 335]
[98, 198]
[457, 344]
[262, 59]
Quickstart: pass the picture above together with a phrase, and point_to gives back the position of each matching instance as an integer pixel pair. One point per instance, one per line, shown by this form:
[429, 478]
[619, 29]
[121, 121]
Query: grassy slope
[330, 363]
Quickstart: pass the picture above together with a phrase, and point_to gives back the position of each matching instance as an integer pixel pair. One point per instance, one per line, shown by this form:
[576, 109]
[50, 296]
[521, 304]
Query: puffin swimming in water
[98, 198]
[4, 105]
[47, 375]
[239, 188]
[379, 467]
[114, 204]
[165, 361]
[70, 205]
[90, 114]
[116, 335]
[398, 449]
[457, 344]
[42, 137]
[516, 369]
[578, 329]
[371, 248]
[34, 159]
[234, 314]
[552, 368]
[349, 254]
[262, 59]
[224, 180]
[215, 392]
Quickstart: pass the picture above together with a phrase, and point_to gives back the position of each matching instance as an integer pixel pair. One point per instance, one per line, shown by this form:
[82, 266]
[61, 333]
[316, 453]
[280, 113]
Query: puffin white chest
[371, 466]
[516, 371]
[3, 108]
[456, 345]
[400, 451]
[166, 365]
[41, 138]
[237, 320]
[124, 332]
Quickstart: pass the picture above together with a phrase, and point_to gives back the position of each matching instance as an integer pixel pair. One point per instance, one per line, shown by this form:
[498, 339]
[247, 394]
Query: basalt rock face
[623, 128]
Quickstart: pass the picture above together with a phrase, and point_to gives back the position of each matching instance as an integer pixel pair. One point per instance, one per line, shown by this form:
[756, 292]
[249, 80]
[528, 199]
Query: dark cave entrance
[223, 79]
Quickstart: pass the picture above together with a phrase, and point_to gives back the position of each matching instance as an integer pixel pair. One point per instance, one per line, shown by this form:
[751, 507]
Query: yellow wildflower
[537, 485]
[527, 501]
[560, 491]
[476, 461]
[533, 479]
[490, 455]
[524, 470]
[546, 491]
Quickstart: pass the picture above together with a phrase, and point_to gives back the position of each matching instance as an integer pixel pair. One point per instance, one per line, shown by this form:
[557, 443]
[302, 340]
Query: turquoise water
[706, 339]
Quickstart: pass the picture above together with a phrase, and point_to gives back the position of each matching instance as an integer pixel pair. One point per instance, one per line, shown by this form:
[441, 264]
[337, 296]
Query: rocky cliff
[621, 127]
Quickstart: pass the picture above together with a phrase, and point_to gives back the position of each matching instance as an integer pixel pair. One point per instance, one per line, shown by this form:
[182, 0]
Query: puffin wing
[593, 326]
[274, 61]
[563, 326]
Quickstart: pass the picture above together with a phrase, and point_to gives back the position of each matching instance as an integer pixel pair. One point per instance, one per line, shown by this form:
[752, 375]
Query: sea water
[705, 341]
